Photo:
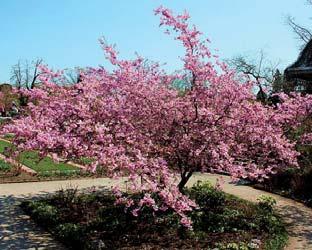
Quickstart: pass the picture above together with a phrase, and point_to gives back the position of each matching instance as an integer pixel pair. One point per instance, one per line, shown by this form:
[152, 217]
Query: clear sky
[65, 32]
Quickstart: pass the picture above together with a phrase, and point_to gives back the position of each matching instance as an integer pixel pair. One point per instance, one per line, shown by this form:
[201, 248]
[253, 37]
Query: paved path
[17, 231]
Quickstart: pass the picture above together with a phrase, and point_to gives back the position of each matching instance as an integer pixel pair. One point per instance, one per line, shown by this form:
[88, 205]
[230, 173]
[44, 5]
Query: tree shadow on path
[298, 220]
[18, 231]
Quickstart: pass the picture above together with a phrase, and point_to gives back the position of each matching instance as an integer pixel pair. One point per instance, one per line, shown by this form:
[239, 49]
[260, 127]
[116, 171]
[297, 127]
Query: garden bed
[92, 221]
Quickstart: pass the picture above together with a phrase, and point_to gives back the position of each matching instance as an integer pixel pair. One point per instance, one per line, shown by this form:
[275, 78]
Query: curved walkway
[17, 231]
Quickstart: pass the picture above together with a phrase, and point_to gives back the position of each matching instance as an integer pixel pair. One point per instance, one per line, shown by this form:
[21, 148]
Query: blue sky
[65, 32]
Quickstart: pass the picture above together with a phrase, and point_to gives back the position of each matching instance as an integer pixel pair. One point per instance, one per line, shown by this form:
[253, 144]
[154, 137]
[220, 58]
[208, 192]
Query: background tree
[26, 75]
[260, 70]
[72, 75]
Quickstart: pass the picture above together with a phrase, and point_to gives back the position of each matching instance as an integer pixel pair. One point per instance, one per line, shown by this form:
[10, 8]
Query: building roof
[302, 68]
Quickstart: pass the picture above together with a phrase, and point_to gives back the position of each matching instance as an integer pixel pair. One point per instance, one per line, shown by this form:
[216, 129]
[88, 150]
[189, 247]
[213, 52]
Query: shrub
[70, 232]
[43, 212]
[232, 246]
[66, 196]
[266, 203]
[206, 196]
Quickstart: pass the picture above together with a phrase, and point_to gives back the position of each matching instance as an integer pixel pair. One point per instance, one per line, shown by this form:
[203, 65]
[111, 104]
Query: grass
[4, 167]
[8, 137]
[31, 159]
[84, 161]
[4, 145]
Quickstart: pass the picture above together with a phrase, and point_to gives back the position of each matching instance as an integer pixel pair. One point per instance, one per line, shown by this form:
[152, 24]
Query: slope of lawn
[32, 160]
[4, 145]
[4, 167]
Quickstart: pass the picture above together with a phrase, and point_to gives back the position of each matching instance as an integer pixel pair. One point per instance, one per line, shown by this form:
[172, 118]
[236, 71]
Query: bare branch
[302, 33]
[25, 75]
[260, 70]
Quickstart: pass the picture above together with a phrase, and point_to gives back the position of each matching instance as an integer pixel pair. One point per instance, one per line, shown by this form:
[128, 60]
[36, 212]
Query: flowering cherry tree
[132, 121]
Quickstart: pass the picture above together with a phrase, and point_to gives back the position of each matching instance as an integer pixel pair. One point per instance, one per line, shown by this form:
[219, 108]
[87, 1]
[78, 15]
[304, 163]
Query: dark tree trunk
[23, 100]
[185, 176]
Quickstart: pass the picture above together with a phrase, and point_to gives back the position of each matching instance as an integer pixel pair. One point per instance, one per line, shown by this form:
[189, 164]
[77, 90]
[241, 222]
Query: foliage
[277, 242]
[266, 203]
[70, 232]
[43, 212]
[132, 121]
[206, 195]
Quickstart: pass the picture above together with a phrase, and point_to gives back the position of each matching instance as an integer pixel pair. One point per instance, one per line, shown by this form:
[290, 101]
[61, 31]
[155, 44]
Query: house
[300, 72]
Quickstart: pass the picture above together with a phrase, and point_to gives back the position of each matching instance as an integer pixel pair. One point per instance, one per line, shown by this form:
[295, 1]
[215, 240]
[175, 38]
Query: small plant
[266, 203]
[66, 196]
[278, 242]
[43, 212]
[70, 232]
[232, 246]
[206, 195]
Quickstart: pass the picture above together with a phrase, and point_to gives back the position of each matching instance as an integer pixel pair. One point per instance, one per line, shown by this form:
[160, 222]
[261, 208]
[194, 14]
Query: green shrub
[277, 241]
[206, 196]
[209, 216]
[70, 232]
[232, 246]
[266, 203]
[43, 212]
[66, 196]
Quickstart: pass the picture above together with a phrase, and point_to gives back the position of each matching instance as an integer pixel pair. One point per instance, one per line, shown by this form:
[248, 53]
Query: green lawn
[32, 160]
[3, 145]
[4, 167]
